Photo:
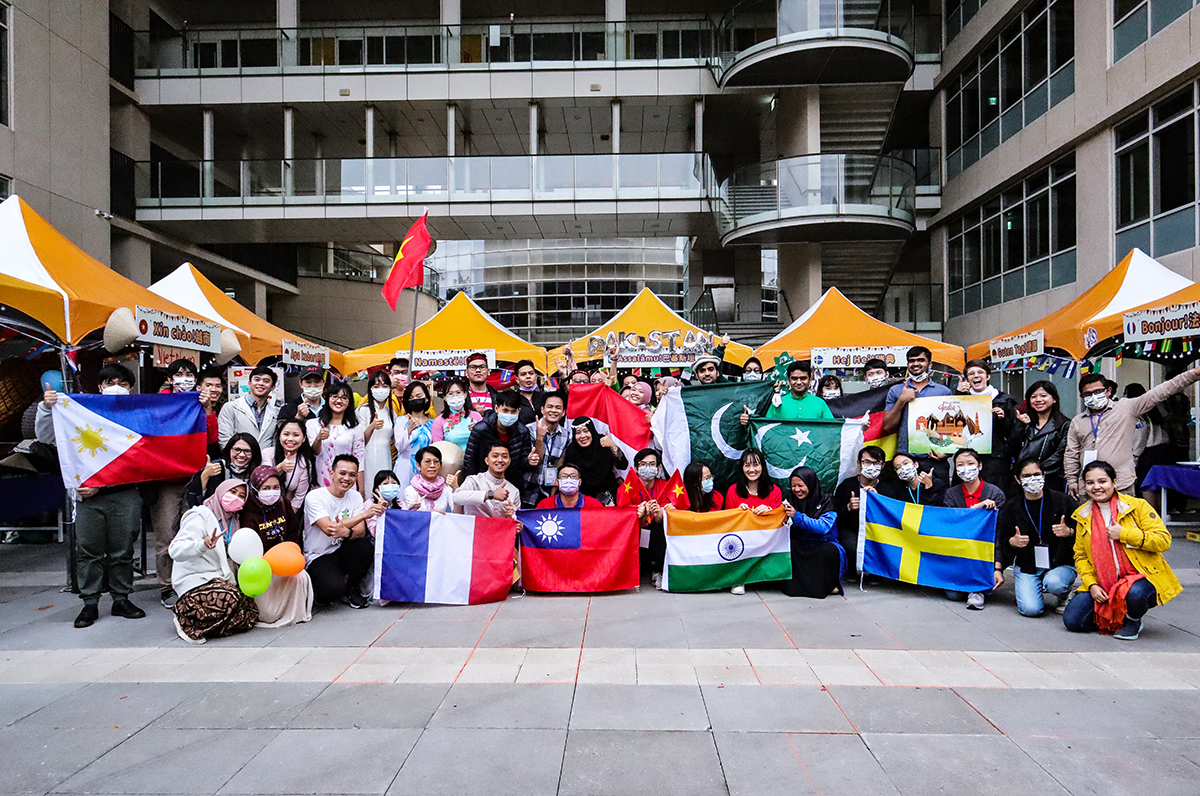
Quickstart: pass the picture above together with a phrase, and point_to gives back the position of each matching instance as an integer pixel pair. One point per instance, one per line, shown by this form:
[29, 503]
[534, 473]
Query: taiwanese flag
[612, 415]
[111, 440]
[422, 557]
[579, 550]
[408, 269]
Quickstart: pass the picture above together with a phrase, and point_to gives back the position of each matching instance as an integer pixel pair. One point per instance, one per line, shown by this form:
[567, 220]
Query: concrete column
[698, 127]
[614, 16]
[319, 165]
[393, 153]
[369, 166]
[616, 127]
[244, 170]
[130, 257]
[260, 300]
[451, 128]
[451, 15]
[289, 151]
[209, 148]
[799, 278]
[798, 121]
[533, 129]
[287, 19]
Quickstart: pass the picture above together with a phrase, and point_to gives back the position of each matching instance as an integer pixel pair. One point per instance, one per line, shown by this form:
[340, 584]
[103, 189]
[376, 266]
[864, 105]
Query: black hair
[742, 484]
[874, 364]
[647, 452]
[412, 387]
[1090, 379]
[829, 381]
[755, 360]
[1025, 462]
[799, 364]
[1099, 465]
[919, 351]
[462, 385]
[115, 373]
[498, 444]
[1056, 413]
[349, 416]
[263, 370]
[211, 373]
[401, 361]
[344, 457]
[970, 451]
[255, 452]
[559, 394]
[509, 399]
[182, 364]
[578, 470]
[906, 455]
[979, 363]
[700, 500]
[382, 476]
[304, 452]
[522, 363]
[381, 378]
[875, 451]
[437, 454]
[1134, 390]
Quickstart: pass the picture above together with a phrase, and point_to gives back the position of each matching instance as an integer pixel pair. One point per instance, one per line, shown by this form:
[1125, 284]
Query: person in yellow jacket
[1119, 545]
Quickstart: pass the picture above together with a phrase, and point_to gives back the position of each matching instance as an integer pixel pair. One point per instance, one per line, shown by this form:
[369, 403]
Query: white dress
[342, 439]
[407, 446]
[379, 447]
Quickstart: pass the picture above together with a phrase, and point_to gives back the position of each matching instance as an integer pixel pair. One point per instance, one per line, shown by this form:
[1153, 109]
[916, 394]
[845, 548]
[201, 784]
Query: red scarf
[1114, 571]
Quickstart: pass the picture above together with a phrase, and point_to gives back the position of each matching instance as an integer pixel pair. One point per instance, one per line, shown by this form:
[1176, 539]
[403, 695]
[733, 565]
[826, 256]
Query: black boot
[87, 616]
[122, 606]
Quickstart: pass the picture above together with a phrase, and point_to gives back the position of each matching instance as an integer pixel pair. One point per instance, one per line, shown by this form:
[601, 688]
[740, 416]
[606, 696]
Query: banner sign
[309, 355]
[945, 423]
[239, 382]
[1018, 346]
[163, 328]
[447, 358]
[164, 355]
[851, 357]
[1179, 320]
[654, 349]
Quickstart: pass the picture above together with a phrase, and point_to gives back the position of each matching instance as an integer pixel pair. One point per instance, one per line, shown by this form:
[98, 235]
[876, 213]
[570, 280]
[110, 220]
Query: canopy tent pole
[68, 509]
[412, 336]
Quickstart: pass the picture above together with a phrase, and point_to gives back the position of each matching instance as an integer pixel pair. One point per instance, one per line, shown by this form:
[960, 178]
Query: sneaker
[185, 636]
[88, 616]
[124, 607]
[355, 600]
[975, 601]
[1129, 631]
[656, 580]
[169, 597]
[738, 590]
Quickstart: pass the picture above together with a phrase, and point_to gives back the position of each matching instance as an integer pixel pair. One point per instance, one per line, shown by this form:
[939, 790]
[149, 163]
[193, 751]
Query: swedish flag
[927, 545]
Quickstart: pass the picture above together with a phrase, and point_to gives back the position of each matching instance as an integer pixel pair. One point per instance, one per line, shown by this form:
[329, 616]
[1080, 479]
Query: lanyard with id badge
[1091, 454]
[1041, 553]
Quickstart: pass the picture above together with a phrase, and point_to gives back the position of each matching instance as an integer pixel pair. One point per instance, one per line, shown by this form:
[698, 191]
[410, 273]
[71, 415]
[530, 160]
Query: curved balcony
[798, 42]
[818, 198]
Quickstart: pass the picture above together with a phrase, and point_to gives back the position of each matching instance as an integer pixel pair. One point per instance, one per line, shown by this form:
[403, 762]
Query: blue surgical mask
[706, 485]
[389, 491]
[507, 419]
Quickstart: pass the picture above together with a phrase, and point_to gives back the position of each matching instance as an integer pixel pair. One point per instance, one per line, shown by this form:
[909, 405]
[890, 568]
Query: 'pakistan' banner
[713, 413]
[788, 444]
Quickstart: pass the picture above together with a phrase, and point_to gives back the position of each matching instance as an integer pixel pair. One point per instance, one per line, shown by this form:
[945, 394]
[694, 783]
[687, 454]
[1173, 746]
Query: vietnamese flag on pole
[612, 415]
[579, 550]
[408, 269]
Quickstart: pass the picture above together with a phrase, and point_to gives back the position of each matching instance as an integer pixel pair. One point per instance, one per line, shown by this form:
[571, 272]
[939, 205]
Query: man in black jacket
[500, 426]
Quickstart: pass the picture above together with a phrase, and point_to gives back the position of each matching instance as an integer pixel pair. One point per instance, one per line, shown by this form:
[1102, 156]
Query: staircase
[861, 270]
[856, 118]
[752, 334]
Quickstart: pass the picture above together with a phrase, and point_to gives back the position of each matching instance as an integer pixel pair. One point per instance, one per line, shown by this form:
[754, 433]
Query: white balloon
[245, 545]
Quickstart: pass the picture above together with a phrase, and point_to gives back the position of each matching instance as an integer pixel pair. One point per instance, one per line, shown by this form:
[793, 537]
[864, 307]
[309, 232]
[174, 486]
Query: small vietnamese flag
[408, 267]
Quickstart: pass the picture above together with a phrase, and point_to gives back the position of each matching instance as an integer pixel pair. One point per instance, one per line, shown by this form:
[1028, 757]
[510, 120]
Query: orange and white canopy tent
[190, 289]
[47, 277]
[837, 322]
[1137, 280]
[461, 324]
[645, 314]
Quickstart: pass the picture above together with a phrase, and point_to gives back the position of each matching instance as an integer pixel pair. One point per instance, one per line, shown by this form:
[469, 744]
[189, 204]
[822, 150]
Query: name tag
[549, 476]
[1041, 557]
[1089, 457]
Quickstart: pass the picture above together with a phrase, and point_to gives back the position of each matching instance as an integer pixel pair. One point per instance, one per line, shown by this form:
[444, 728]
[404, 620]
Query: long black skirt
[816, 571]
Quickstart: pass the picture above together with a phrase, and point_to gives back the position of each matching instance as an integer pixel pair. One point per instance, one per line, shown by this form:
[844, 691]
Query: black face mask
[417, 404]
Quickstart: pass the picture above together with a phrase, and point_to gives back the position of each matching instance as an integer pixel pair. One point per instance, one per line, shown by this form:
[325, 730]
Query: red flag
[676, 492]
[579, 550]
[633, 491]
[408, 268]
[613, 415]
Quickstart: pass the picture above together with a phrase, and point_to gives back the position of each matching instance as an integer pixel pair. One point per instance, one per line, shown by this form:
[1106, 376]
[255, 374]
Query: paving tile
[371, 706]
[304, 761]
[786, 675]
[1089, 765]
[664, 657]
[694, 769]
[18, 701]
[37, 761]
[909, 710]
[424, 633]
[898, 667]
[925, 765]
[170, 761]
[779, 764]
[104, 705]
[515, 706]
[463, 762]
[638, 707]
[549, 666]
[675, 674]
[546, 606]
[372, 673]
[1146, 670]
[436, 665]
[1046, 712]
[956, 669]
[1014, 670]
[839, 667]
[725, 675]
[534, 633]
[1163, 714]
[764, 708]
[1072, 671]
[498, 665]
[616, 674]
[775, 657]
[240, 706]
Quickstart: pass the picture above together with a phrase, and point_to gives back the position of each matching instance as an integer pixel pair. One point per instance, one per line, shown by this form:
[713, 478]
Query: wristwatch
[490, 494]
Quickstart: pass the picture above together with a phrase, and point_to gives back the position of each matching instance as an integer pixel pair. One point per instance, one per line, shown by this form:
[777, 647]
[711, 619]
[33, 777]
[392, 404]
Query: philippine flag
[579, 550]
[109, 440]
[445, 558]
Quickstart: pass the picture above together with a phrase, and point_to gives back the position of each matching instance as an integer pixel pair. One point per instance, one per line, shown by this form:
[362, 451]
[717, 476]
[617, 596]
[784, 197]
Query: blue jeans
[1030, 586]
[1081, 611]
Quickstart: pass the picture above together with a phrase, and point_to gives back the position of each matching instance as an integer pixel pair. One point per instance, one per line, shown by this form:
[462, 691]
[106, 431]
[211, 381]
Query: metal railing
[121, 49]
[361, 266]
[768, 22]
[351, 48]
[817, 185]
[926, 162]
[122, 190]
[424, 180]
[703, 313]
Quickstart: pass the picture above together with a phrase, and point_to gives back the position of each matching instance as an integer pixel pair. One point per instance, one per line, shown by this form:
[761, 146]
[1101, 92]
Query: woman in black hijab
[596, 457]
[818, 561]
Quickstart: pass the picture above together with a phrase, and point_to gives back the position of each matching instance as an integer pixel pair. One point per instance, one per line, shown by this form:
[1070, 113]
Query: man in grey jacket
[255, 414]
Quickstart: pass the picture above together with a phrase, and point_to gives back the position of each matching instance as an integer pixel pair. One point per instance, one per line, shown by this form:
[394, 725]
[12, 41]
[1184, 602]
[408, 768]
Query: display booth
[444, 341]
[648, 333]
[836, 335]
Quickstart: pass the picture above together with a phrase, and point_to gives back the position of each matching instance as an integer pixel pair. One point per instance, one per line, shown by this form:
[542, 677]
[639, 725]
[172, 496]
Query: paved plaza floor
[891, 690]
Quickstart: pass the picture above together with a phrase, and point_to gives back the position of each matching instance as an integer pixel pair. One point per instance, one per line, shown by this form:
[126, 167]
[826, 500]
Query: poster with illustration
[944, 423]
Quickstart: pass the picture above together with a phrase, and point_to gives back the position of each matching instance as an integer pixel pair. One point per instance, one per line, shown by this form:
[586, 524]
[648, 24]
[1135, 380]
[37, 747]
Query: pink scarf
[429, 491]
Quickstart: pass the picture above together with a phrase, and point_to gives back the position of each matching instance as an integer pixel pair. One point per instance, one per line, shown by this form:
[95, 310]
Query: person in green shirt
[798, 403]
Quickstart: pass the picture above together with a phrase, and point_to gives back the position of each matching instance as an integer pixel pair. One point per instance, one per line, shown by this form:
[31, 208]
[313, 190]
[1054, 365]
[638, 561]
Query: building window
[958, 14]
[1134, 21]
[5, 16]
[1029, 69]
[1156, 176]
[5, 187]
[1018, 242]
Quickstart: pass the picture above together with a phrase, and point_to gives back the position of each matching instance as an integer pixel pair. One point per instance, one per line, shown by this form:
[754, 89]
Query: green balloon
[254, 576]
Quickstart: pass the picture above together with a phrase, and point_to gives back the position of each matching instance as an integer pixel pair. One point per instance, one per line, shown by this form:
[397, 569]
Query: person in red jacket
[752, 492]
[568, 495]
[698, 481]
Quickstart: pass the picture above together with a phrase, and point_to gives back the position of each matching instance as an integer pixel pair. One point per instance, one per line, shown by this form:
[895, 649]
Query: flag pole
[412, 336]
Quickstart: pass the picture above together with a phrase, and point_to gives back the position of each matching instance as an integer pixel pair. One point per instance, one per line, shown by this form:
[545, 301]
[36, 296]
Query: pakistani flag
[788, 444]
[712, 413]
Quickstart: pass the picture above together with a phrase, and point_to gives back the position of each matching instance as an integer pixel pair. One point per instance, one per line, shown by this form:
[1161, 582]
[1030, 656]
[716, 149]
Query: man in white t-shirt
[489, 494]
[337, 547]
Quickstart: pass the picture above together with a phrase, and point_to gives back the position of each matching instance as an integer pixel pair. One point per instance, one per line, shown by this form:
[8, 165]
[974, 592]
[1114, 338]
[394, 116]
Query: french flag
[445, 558]
[110, 440]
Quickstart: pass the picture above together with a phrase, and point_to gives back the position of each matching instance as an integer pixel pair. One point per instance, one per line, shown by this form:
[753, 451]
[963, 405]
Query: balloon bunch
[256, 568]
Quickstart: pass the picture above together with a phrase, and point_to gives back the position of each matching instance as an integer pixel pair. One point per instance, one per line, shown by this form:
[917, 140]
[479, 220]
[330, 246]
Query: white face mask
[268, 497]
[184, 383]
[706, 485]
[568, 486]
[918, 377]
[906, 472]
[456, 402]
[1095, 402]
[1033, 484]
[114, 389]
[831, 394]
[311, 393]
[871, 471]
[380, 394]
[876, 381]
[647, 471]
[968, 472]
[752, 375]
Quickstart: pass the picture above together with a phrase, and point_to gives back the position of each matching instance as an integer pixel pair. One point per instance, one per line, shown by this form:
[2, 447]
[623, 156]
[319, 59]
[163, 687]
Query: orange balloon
[285, 559]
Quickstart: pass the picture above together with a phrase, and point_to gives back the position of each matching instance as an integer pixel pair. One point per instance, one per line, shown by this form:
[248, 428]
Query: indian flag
[721, 549]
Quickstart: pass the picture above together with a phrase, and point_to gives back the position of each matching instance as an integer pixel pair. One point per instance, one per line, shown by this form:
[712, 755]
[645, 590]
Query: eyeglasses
[241, 452]
[1094, 393]
[477, 367]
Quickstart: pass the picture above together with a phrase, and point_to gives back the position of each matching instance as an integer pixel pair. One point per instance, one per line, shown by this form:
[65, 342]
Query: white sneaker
[656, 580]
[975, 601]
[738, 590]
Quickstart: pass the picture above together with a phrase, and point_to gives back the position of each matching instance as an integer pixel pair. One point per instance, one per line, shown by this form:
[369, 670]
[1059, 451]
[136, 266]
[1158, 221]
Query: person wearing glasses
[478, 391]
[1105, 430]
